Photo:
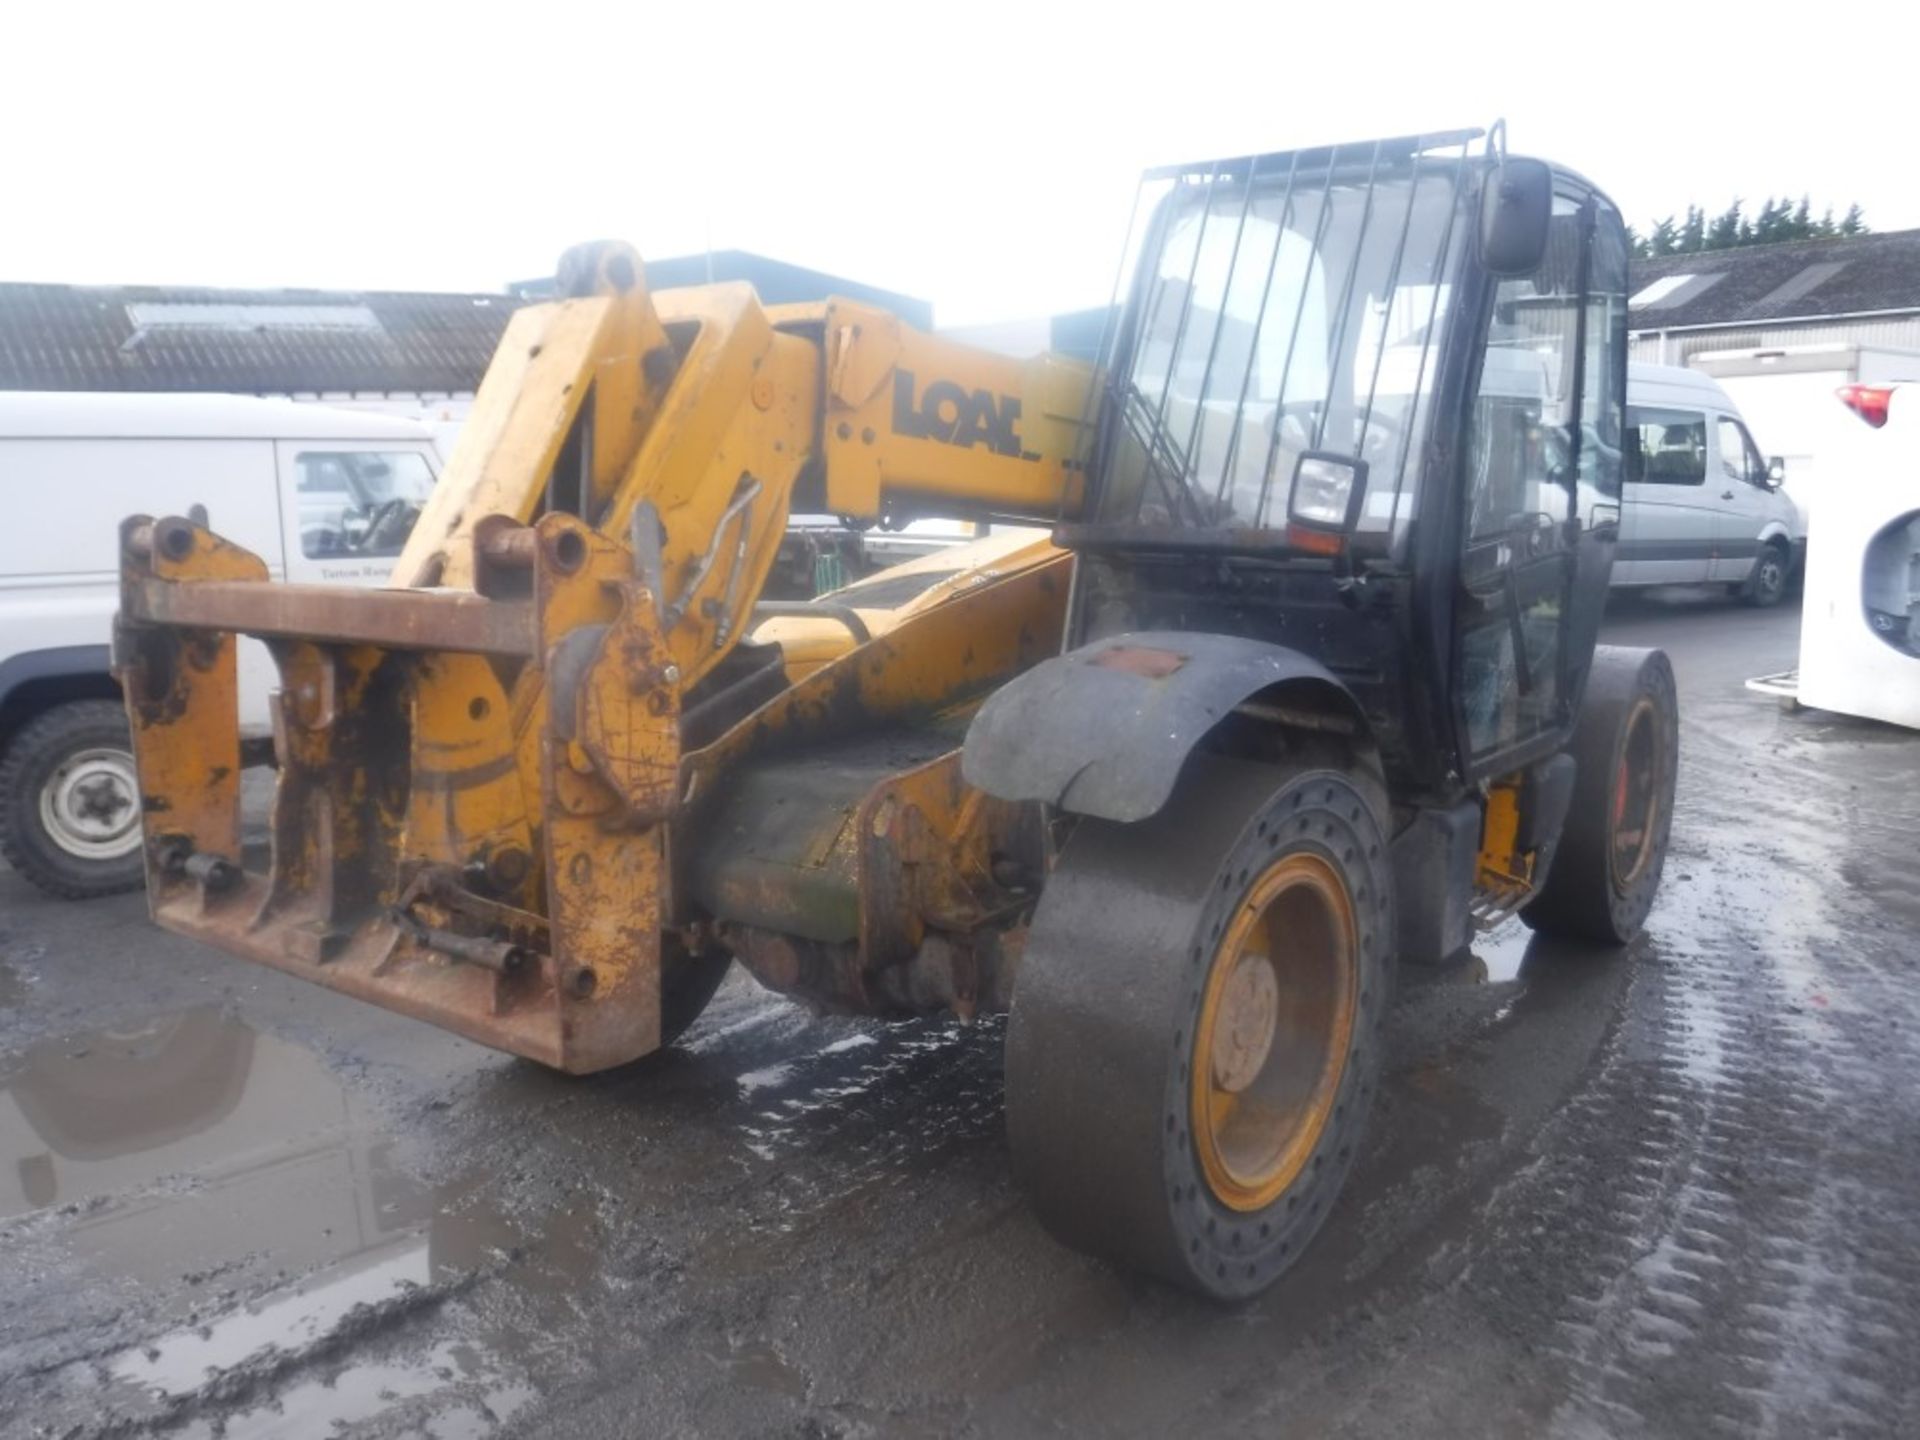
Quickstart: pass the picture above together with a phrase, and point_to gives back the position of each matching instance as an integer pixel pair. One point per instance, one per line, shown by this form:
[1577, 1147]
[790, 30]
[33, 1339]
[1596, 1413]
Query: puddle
[1502, 951]
[367, 1392]
[759, 1366]
[214, 1142]
[205, 1161]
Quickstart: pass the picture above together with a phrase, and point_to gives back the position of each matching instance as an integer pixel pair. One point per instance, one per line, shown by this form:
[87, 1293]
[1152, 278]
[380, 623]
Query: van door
[1745, 503]
[1667, 530]
[347, 506]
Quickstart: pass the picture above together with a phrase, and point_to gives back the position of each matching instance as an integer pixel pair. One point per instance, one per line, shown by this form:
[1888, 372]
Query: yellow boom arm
[482, 768]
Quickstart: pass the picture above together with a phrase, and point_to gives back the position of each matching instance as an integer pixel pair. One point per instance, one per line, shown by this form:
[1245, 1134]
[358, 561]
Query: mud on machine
[1309, 686]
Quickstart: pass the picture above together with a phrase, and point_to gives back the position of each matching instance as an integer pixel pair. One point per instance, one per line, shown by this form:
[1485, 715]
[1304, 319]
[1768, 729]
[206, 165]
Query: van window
[1672, 445]
[1738, 457]
[359, 503]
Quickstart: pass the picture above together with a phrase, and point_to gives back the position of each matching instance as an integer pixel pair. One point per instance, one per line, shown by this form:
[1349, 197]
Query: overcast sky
[982, 155]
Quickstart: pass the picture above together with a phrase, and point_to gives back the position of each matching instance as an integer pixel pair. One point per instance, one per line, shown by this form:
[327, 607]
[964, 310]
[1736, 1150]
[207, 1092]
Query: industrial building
[401, 352]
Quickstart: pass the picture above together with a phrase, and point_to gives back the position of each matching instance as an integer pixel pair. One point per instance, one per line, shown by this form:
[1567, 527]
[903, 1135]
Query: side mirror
[1325, 498]
[1516, 205]
[1776, 471]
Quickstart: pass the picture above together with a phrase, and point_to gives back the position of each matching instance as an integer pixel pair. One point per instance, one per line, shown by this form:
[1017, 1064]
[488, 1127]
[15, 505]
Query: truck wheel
[1767, 585]
[70, 801]
[1626, 748]
[1196, 1029]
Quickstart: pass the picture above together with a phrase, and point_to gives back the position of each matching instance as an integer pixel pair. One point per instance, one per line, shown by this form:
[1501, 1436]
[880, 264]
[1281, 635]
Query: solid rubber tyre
[1104, 1096]
[1612, 850]
[34, 754]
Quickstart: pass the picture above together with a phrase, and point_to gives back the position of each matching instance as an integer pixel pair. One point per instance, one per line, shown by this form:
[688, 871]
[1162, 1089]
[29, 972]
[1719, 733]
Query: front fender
[1104, 730]
[65, 662]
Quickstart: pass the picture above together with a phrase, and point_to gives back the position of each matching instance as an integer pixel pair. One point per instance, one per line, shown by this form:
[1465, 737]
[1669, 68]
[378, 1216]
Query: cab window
[359, 503]
[1672, 446]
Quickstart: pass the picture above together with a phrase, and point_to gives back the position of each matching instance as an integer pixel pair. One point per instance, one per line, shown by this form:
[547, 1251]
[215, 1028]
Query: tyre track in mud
[1743, 1261]
[1661, 1192]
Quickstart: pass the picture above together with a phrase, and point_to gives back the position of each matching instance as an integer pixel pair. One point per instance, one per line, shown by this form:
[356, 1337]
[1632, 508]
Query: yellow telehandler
[1306, 683]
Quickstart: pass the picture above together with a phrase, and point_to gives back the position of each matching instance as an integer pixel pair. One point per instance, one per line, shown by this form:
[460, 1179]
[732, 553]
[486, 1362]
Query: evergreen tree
[1776, 221]
[1727, 227]
[1693, 234]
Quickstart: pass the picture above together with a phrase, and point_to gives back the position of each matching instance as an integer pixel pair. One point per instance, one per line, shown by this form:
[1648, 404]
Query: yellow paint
[710, 408]
[808, 642]
[1253, 1142]
[182, 693]
[880, 371]
[1504, 873]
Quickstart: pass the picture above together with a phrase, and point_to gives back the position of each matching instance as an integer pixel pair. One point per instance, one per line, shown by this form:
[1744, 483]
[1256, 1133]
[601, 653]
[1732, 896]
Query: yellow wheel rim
[1636, 797]
[1275, 1030]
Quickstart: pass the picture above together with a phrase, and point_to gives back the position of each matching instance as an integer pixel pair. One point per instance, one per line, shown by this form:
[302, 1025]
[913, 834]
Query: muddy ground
[1673, 1190]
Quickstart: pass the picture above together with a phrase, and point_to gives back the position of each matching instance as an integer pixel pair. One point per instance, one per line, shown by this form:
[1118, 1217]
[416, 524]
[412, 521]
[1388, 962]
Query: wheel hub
[1243, 1029]
[89, 805]
[1276, 1027]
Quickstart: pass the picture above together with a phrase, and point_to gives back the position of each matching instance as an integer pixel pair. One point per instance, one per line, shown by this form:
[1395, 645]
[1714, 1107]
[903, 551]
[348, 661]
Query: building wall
[1893, 332]
[440, 412]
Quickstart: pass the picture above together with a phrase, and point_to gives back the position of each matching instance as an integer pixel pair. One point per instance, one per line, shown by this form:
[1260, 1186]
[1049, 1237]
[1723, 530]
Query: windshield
[1294, 315]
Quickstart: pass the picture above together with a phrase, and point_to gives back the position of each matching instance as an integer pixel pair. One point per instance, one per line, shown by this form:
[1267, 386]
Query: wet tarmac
[1671, 1190]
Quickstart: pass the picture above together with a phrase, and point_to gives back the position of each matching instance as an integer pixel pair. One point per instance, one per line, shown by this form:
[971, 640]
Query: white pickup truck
[323, 495]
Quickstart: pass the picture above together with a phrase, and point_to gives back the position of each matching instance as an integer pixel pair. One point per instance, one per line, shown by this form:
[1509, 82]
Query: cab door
[1744, 504]
[1542, 492]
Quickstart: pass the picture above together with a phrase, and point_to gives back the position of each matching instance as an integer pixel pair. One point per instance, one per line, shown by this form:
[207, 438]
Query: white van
[322, 495]
[1700, 505]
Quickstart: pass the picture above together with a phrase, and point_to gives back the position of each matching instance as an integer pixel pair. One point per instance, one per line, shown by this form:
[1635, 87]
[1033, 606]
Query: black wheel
[1195, 1035]
[70, 802]
[688, 979]
[1626, 748]
[1767, 585]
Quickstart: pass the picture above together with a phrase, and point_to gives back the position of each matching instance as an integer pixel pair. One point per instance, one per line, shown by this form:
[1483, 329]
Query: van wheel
[70, 802]
[1767, 585]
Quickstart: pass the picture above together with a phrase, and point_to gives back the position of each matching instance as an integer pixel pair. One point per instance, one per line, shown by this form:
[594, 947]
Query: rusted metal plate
[519, 1013]
[1147, 661]
[609, 759]
[337, 614]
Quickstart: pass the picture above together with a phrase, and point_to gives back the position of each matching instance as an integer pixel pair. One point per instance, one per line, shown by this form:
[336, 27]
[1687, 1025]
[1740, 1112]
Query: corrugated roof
[1756, 284]
[264, 342]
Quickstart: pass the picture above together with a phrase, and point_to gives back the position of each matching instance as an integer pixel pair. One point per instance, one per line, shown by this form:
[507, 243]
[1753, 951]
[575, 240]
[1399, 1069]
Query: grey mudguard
[1104, 730]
